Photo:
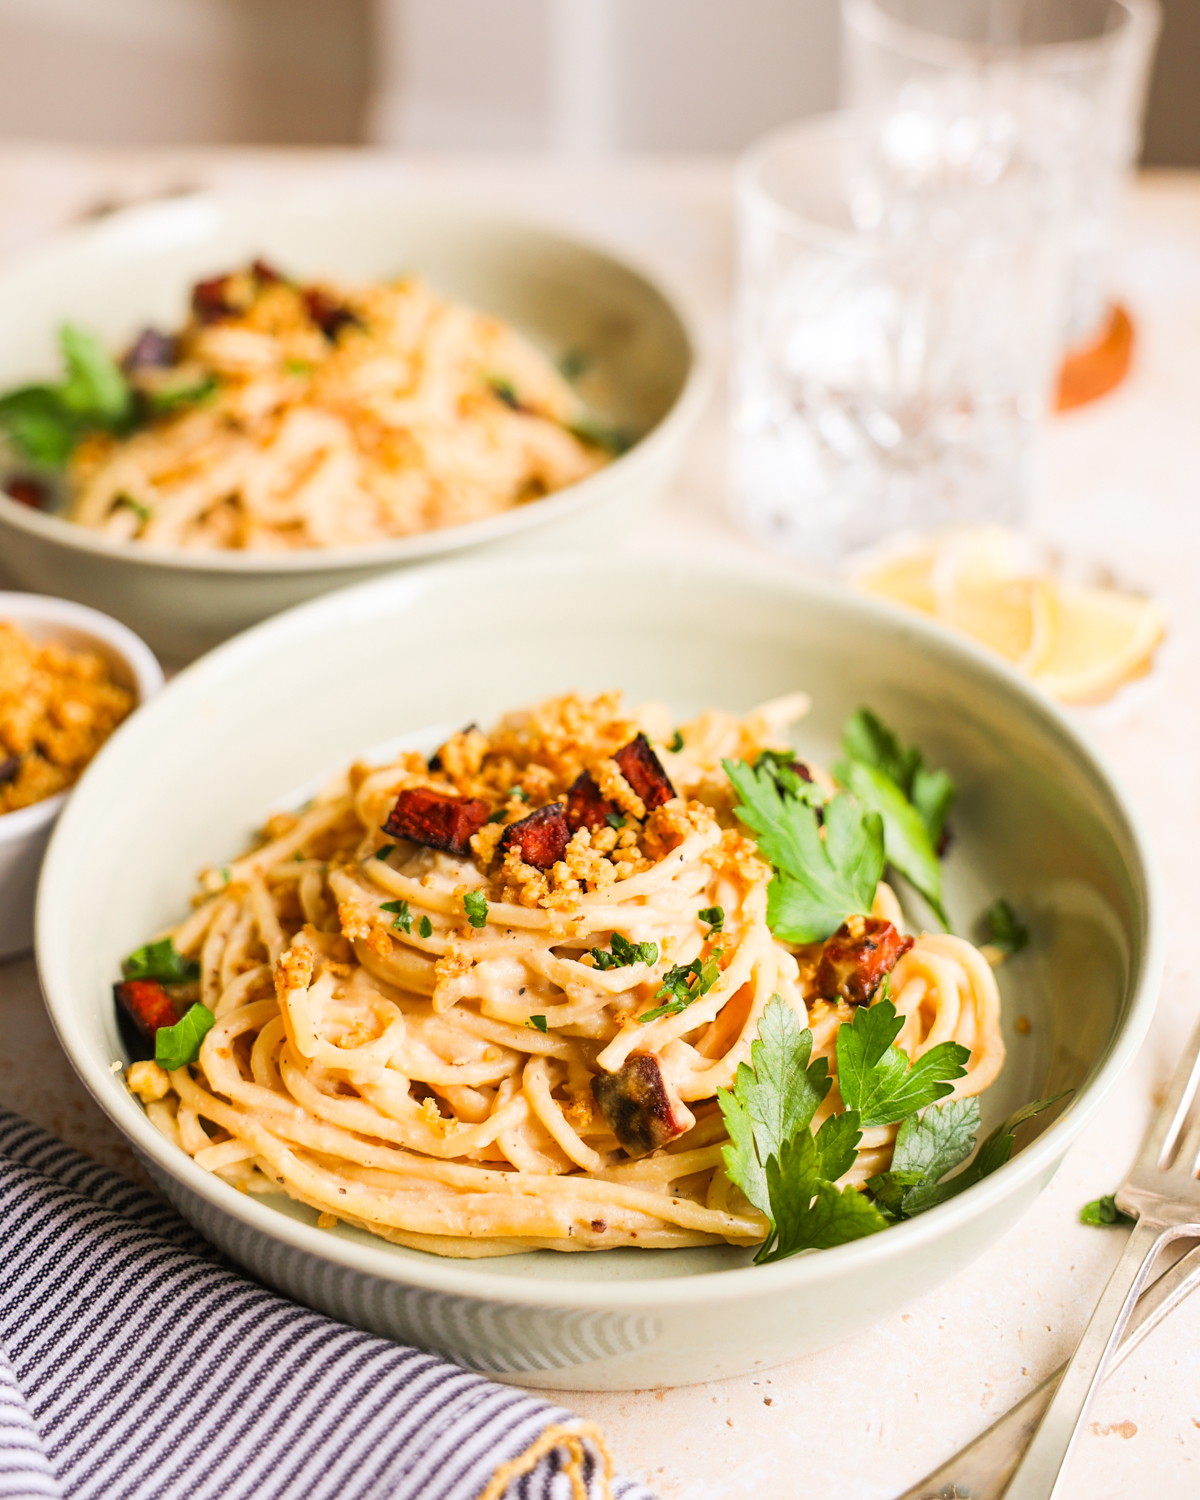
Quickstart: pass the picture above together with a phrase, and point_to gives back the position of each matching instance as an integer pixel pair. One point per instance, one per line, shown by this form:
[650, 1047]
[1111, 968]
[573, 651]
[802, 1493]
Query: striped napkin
[137, 1364]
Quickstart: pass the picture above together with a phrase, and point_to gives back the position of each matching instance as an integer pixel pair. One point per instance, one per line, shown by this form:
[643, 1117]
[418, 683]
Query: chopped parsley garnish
[498, 816]
[817, 883]
[162, 402]
[683, 985]
[297, 367]
[403, 917]
[573, 363]
[504, 389]
[676, 744]
[384, 850]
[476, 907]
[142, 512]
[176, 1046]
[537, 1023]
[161, 961]
[615, 820]
[912, 801]
[1003, 929]
[1104, 1211]
[624, 953]
[714, 916]
[425, 927]
[516, 791]
[598, 434]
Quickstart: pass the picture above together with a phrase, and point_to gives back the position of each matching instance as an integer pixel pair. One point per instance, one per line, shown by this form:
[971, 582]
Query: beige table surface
[1119, 488]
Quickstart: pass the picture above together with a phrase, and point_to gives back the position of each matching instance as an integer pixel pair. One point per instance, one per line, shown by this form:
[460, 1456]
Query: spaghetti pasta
[434, 1038]
[289, 416]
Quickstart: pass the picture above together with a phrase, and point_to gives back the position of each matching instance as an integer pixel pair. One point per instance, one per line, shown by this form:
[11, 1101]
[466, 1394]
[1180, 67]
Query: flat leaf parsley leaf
[537, 1023]
[713, 917]
[425, 927]
[817, 883]
[176, 1046]
[476, 907]
[943, 1137]
[623, 953]
[161, 961]
[876, 1078]
[772, 1155]
[911, 800]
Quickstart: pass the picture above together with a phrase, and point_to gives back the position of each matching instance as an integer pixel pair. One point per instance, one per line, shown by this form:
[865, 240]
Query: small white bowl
[136, 268]
[25, 833]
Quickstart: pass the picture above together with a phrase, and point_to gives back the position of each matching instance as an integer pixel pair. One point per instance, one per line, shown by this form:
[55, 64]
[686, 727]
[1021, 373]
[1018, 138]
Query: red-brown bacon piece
[586, 808]
[641, 769]
[542, 837]
[857, 958]
[27, 490]
[147, 1005]
[439, 820]
[328, 314]
[643, 1111]
[209, 300]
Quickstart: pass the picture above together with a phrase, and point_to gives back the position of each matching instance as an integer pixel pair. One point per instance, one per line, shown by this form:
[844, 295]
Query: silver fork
[1163, 1191]
[982, 1469]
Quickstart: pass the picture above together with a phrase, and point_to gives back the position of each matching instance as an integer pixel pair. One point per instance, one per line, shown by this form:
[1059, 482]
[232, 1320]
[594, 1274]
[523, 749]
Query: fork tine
[1169, 1121]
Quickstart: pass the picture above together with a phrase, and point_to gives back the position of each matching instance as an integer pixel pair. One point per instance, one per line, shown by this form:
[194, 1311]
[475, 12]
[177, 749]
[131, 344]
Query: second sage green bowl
[1038, 820]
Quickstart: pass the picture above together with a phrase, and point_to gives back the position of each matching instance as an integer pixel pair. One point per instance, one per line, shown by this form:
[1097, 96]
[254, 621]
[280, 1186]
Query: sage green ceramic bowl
[641, 373]
[1038, 820]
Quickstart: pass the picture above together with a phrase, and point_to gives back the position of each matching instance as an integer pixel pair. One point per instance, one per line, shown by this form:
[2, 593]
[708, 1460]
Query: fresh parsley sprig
[932, 1144]
[476, 907]
[713, 918]
[44, 422]
[623, 953]
[785, 1171]
[912, 801]
[818, 882]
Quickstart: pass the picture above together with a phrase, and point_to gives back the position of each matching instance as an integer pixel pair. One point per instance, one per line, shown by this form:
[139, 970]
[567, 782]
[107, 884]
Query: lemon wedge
[1101, 639]
[1015, 617]
[908, 579]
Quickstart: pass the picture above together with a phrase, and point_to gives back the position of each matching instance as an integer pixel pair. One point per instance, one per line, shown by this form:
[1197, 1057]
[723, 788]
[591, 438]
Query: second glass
[894, 350]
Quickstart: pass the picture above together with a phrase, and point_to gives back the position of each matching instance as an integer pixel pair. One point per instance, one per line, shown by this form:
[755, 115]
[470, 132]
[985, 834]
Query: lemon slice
[908, 579]
[1015, 617]
[1101, 639]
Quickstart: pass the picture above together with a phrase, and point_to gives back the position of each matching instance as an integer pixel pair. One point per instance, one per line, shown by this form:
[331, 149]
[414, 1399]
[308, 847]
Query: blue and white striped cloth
[135, 1364]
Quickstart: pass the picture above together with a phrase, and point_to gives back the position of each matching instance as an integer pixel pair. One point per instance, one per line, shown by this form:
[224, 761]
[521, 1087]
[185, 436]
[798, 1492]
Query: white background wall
[597, 75]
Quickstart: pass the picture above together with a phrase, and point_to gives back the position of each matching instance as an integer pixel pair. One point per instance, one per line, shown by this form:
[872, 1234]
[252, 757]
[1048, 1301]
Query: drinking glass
[895, 339]
[1058, 86]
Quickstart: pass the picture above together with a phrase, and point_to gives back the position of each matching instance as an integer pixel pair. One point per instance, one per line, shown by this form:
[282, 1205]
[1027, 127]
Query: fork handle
[1038, 1473]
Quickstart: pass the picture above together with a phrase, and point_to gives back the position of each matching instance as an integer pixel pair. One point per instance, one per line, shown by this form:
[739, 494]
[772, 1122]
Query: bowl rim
[690, 398]
[749, 1283]
[44, 609]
